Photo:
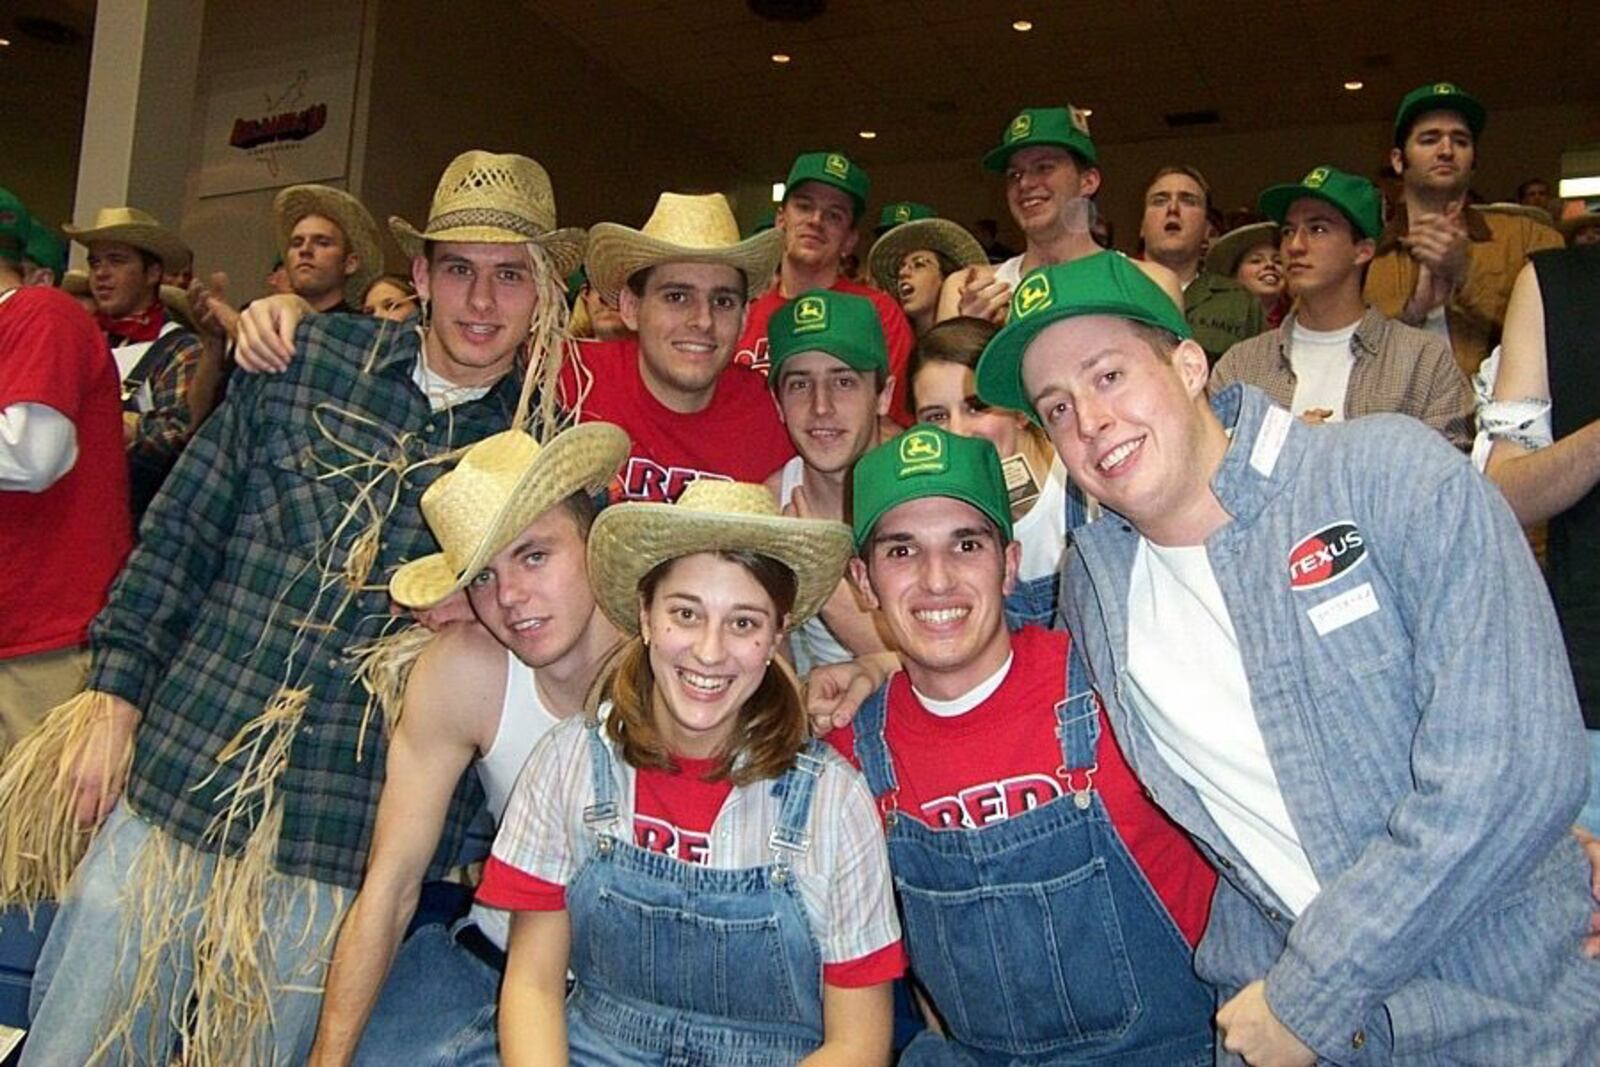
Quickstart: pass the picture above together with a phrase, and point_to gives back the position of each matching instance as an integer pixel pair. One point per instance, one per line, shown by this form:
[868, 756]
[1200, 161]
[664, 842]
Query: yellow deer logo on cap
[836, 165]
[1441, 88]
[920, 446]
[1032, 295]
[1021, 126]
[902, 213]
[810, 314]
[1315, 179]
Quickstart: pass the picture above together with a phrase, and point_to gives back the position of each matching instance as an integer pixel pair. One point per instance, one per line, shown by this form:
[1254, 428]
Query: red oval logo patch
[1326, 554]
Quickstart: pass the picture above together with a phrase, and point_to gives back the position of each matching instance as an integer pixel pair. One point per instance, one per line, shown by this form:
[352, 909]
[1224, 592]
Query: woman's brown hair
[771, 726]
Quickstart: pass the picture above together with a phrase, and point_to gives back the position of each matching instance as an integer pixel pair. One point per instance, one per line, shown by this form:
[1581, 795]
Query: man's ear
[850, 241]
[1013, 566]
[419, 276]
[1089, 184]
[628, 308]
[863, 581]
[1397, 161]
[1365, 250]
[885, 395]
[352, 263]
[1190, 361]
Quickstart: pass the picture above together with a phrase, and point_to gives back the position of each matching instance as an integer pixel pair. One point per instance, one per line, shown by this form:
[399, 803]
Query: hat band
[485, 216]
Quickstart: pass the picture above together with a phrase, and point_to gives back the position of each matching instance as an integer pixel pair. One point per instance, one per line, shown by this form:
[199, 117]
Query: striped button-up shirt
[239, 590]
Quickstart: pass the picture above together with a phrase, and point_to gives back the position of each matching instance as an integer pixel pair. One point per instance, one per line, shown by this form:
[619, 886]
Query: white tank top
[813, 643]
[1042, 532]
[523, 720]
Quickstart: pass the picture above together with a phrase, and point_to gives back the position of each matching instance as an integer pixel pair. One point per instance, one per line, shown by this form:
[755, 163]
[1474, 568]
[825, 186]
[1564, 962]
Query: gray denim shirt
[1419, 713]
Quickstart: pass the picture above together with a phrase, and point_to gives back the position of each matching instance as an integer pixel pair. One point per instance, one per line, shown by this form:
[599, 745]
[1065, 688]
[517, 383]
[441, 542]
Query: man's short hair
[1192, 173]
[584, 509]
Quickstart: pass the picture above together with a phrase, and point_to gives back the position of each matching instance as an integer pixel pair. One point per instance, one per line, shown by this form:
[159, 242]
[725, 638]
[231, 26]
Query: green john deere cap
[1065, 127]
[15, 222]
[830, 168]
[1439, 96]
[46, 249]
[767, 220]
[927, 461]
[894, 214]
[843, 325]
[1356, 198]
[1106, 283]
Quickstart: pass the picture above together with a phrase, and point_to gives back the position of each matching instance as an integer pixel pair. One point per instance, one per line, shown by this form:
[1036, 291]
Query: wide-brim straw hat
[939, 235]
[494, 198]
[176, 301]
[1224, 255]
[349, 214]
[130, 226]
[630, 540]
[502, 484]
[681, 229]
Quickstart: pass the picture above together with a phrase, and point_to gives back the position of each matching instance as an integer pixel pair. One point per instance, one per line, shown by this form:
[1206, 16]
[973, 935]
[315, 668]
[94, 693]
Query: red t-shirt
[673, 814]
[1000, 759]
[737, 437]
[62, 547]
[751, 352]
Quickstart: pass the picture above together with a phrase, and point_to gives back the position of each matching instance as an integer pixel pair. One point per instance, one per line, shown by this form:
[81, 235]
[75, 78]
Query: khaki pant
[31, 685]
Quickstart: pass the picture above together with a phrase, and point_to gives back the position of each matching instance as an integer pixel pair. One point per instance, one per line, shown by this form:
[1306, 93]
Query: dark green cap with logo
[1439, 96]
[830, 168]
[843, 325]
[15, 223]
[1356, 198]
[46, 248]
[1106, 283]
[894, 214]
[926, 461]
[1064, 127]
[767, 221]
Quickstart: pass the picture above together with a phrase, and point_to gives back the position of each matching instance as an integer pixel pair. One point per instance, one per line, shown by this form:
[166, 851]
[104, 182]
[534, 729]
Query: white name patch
[1344, 609]
[1269, 440]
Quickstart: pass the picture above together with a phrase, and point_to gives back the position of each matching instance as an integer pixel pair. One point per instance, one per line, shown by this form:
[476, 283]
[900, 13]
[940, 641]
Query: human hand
[208, 302]
[1316, 416]
[266, 333]
[984, 296]
[97, 768]
[1250, 1029]
[834, 692]
[1439, 241]
[1432, 291]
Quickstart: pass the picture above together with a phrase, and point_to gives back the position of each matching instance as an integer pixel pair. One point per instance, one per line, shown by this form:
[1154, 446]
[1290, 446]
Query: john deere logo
[921, 452]
[810, 314]
[902, 213]
[1443, 88]
[1315, 179]
[1032, 295]
[1021, 126]
[836, 165]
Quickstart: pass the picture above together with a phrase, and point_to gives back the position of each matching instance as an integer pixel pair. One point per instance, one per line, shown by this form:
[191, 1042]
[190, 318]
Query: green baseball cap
[894, 214]
[1356, 198]
[843, 325]
[927, 461]
[830, 168]
[1438, 96]
[1106, 283]
[15, 222]
[1065, 127]
[46, 249]
[767, 220]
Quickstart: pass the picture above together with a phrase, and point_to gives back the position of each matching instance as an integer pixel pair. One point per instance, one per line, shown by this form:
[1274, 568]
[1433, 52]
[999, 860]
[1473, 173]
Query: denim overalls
[1038, 938]
[1032, 601]
[679, 965]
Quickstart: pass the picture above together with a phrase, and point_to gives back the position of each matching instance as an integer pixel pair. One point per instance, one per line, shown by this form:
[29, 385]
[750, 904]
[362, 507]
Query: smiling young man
[1287, 625]
[513, 519]
[830, 373]
[1442, 264]
[265, 563]
[1049, 907]
[823, 199]
[682, 284]
[1333, 358]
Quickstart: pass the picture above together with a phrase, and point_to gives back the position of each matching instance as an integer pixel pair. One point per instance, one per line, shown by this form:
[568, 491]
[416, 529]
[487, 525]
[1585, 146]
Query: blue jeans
[84, 963]
[1589, 817]
[437, 1007]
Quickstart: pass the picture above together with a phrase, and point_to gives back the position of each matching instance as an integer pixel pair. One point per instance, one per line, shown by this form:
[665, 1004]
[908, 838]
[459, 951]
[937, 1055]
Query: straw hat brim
[565, 247]
[940, 235]
[157, 240]
[617, 253]
[630, 540]
[176, 301]
[581, 458]
[360, 228]
[1223, 257]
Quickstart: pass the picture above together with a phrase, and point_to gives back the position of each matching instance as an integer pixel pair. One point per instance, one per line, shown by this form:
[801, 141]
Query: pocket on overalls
[1027, 968]
[730, 967]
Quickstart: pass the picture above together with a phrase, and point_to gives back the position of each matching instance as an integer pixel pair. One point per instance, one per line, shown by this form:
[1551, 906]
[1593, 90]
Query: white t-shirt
[1009, 271]
[1042, 532]
[523, 720]
[1438, 323]
[1321, 360]
[1183, 658]
[813, 643]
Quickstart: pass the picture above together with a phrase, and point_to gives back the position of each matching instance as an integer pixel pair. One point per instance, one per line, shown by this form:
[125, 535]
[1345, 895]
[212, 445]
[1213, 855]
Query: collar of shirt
[1366, 341]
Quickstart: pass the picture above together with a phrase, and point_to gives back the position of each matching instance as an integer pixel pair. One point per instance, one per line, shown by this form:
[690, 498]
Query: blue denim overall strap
[1033, 601]
[681, 964]
[1037, 938]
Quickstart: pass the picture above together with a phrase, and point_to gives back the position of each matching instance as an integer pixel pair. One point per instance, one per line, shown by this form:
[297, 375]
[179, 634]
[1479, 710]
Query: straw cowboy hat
[630, 540]
[1225, 253]
[130, 226]
[489, 198]
[501, 484]
[681, 229]
[349, 214]
[939, 235]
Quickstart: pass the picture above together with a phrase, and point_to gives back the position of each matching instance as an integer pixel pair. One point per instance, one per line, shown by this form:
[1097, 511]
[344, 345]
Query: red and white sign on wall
[292, 127]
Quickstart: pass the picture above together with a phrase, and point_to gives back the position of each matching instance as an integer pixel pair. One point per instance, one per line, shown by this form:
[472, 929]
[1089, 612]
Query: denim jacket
[1419, 713]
